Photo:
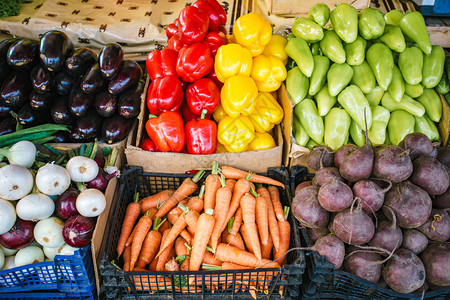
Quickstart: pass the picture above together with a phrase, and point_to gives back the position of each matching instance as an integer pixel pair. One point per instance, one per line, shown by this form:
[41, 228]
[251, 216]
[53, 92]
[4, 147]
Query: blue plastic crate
[48, 295]
[66, 273]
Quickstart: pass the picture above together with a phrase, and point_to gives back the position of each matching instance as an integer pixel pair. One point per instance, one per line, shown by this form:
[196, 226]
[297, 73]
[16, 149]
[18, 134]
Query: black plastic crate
[278, 283]
[322, 281]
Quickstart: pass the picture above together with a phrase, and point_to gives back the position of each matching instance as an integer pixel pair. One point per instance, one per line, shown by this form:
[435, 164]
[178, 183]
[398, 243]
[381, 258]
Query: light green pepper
[338, 77]
[297, 85]
[357, 134]
[344, 19]
[410, 63]
[371, 23]
[363, 77]
[387, 140]
[300, 135]
[356, 105]
[374, 97]
[331, 46]
[397, 87]
[400, 125]
[306, 112]
[337, 125]
[380, 120]
[413, 26]
[356, 51]
[380, 59]
[315, 49]
[393, 17]
[307, 29]
[311, 143]
[407, 104]
[299, 51]
[433, 67]
[319, 74]
[413, 91]
[432, 103]
[324, 101]
[426, 126]
[320, 13]
[393, 38]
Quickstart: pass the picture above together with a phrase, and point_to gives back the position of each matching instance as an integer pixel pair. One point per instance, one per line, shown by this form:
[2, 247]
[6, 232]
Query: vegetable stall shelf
[322, 281]
[117, 284]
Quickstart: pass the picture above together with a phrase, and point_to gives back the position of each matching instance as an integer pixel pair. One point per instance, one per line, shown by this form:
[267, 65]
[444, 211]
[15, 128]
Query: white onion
[51, 252]
[82, 169]
[9, 263]
[28, 255]
[8, 252]
[52, 179]
[48, 232]
[15, 182]
[22, 153]
[35, 207]
[2, 259]
[91, 203]
[68, 250]
[7, 216]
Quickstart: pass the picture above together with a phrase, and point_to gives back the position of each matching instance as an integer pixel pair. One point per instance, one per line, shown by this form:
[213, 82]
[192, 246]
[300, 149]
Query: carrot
[131, 237]
[184, 266]
[164, 227]
[175, 212]
[285, 234]
[195, 203]
[151, 245]
[136, 269]
[172, 265]
[234, 173]
[248, 204]
[153, 264]
[241, 187]
[246, 239]
[126, 258]
[223, 197]
[237, 222]
[131, 215]
[165, 255]
[154, 201]
[186, 188]
[266, 250]
[273, 224]
[233, 240]
[173, 233]
[262, 220]
[180, 247]
[231, 266]
[227, 253]
[186, 235]
[212, 184]
[230, 183]
[208, 258]
[191, 218]
[277, 207]
[206, 223]
[142, 228]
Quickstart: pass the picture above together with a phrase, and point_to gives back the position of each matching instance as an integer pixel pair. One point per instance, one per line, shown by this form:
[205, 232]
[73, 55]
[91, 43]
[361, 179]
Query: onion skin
[65, 204]
[78, 230]
[19, 236]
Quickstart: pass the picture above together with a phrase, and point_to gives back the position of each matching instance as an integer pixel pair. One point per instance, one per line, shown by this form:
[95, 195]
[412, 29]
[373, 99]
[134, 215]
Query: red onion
[65, 204]
[19, 236]
[100, 182]
[78, 230]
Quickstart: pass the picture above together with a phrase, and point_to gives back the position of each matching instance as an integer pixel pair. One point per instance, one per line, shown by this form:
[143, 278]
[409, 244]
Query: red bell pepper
[215, 39]
[148, 145]
[164, 94]
[194, 62]
[213, 76]
[188, 115]
[215, 11]
[203, 96]
[172, 29]
[174, 43]
[193, 25]
[161, 63]
[167, 131]
[201, 136]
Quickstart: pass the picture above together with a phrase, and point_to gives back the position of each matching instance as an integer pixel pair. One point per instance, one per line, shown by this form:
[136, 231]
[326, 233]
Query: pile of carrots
[234, 223]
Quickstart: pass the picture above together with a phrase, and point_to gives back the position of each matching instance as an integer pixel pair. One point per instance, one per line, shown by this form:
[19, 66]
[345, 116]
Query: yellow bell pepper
[238, 95]
[235, 134]
[219, 113]
[221, 148]
[262, 141]
[267, 113]
[268, 72]
[232, 59]
[253, 32]
[276, 48]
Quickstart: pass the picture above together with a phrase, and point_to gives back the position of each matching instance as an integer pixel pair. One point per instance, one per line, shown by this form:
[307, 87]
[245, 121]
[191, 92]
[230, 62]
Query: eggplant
[116, 128]
[5, 69]
[129, 104]
[62, 136]
[8, 125]
[109, 60]
[79, 101]
[87, 127]
[55, 46]
[23, 55]
[41, 80]
[43, 101]
[80, 61]
[4, 110]
[129, 75]
[105, 104]
[63, 83]
[93, 81]
[16, 89]
[29, 117]
[60, 111]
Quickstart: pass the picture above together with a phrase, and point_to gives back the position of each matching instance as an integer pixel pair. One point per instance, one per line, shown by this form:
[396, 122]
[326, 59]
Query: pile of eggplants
[48, 81]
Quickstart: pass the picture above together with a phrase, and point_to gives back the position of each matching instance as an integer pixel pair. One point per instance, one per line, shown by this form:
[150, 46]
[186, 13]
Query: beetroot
[342, 153]
[387, 235]
[353, 226]
[19, 236]
[414, 240]
[324, 175]
[332, 248]
[392, 163]
[320, 155]
[418, 144]
[358, 165]
[442, 200]
[404, 272]
[371, 193]
[364, 264]
[436, 258]
[443, 156]
[302, 186]
[78, 230]
[410, 203]
[437, 227]
[65, 205]
[430, 175]
[307, 210]
[335, 196]
[315, 234]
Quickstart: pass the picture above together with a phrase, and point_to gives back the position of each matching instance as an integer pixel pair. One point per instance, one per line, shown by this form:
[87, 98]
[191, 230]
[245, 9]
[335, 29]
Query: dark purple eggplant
[116, 128]
[43, 101]
[29, 117]
[55, 46]
[5, 69]
[60, 111]
[105, 104]
[63, 83]
[80, 61]
[41, 79]
[62, 136]
[23, 54]
[89, 126]
[129, 104]
[79, 101]
[4, 110]
[109, 60]
[129, 75]
[93, 81]
[8, 125]
[16, 89]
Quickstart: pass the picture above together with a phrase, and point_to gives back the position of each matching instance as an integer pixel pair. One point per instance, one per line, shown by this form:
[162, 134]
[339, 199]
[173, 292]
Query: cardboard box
[293, 7]
[168, 162]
